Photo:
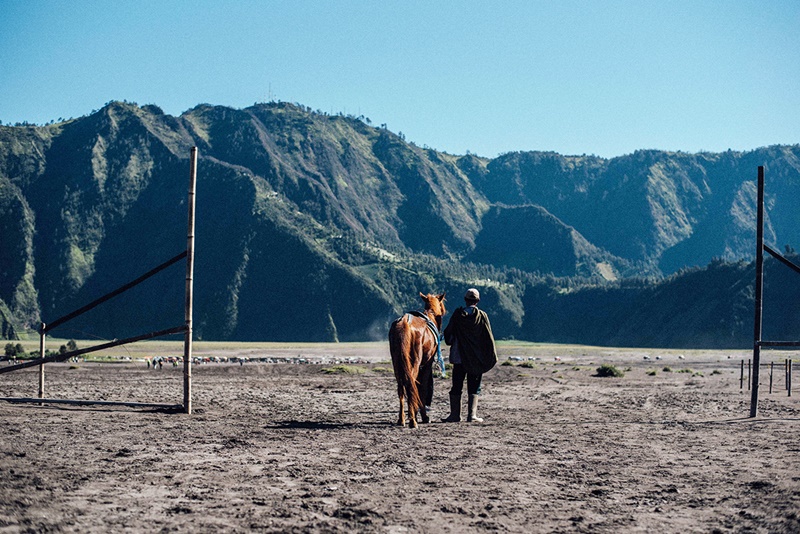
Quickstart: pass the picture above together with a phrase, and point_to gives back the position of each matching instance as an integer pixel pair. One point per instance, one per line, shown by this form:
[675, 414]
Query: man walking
[472, 353]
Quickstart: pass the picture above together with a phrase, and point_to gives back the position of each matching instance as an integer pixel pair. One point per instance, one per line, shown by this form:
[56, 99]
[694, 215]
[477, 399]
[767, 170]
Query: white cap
[472, 294]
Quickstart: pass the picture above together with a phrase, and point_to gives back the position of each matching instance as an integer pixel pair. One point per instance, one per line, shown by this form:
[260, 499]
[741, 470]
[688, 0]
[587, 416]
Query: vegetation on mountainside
[321, 228]
[16, 256]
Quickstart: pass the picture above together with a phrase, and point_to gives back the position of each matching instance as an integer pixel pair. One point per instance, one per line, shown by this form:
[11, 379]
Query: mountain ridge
[316, 215]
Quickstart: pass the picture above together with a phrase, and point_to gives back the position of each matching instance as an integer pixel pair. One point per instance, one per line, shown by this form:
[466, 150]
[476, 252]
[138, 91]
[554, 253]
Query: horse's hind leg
[401, 420]
[412, 415]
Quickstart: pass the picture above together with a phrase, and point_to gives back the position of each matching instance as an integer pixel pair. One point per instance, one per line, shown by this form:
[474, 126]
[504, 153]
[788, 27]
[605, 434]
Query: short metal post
[41, 355]
[786, 374]
[741, 376]
[771, 366]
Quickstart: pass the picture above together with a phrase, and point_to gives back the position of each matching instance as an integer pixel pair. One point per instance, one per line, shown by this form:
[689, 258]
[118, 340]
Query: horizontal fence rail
[114, 293]
[778, 343]
[778, 256]
[27, 400]
[74, 353]
[185, 328]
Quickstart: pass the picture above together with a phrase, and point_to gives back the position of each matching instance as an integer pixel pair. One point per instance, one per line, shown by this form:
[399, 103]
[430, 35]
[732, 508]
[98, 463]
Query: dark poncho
[475, 340]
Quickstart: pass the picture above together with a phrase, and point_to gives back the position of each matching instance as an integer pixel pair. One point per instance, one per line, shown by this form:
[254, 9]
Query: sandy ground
[290, 448]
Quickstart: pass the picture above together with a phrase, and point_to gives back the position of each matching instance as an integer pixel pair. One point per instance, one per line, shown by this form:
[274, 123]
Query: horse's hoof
[412, 424]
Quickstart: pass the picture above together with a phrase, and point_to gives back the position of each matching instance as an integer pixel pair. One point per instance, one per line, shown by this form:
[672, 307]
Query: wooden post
[187, 344]
[759, 291]
[41, 355]
[749, 374]
[790, 377]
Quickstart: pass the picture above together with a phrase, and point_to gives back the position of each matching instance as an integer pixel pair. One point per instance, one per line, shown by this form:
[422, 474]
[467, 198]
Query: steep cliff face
[529, 238]
[17, 226]
[317, 227]
[663, 210]
[344, 173]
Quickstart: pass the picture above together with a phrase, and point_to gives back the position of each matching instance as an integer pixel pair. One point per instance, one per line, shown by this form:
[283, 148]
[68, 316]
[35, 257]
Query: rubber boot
[472, 416]
[455, 409]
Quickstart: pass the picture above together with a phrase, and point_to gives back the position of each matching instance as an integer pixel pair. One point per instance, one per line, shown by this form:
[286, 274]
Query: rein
[435, 331]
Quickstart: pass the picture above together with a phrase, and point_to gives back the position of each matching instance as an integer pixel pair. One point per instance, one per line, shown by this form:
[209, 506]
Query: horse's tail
[400, 348]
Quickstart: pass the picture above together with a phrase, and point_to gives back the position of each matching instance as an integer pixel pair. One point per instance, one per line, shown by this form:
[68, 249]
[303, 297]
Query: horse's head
[434, 305]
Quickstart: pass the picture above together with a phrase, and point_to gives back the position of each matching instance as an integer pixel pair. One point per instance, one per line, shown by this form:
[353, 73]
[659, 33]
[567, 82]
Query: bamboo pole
[759, 292]
[187, 345]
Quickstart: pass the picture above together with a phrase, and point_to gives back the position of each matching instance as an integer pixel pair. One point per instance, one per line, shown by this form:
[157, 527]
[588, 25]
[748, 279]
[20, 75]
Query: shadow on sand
[323, 425]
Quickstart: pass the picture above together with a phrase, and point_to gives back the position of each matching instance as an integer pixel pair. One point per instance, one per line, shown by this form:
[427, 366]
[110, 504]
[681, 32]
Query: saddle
[435, 331]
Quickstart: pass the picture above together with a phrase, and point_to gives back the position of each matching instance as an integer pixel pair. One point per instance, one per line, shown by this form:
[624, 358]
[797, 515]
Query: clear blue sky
[594, 77]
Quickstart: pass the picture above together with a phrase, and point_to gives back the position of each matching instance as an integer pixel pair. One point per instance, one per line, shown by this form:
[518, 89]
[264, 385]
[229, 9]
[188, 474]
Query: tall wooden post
[41, 355]
[759, 292]
[187, 344]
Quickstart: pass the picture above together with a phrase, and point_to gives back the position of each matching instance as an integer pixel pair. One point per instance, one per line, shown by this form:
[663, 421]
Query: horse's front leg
[425, 387]
[423, 415]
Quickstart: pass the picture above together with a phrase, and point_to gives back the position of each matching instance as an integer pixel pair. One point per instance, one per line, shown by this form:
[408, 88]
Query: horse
[413, 345]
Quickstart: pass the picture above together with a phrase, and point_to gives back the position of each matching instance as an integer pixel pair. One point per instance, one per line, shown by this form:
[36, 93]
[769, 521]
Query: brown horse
[413, 345]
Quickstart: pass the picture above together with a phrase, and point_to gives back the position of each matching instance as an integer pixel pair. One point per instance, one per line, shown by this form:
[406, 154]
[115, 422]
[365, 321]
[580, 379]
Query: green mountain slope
[710, 307]
[667, 210]
[529, 238]
[318, 227]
